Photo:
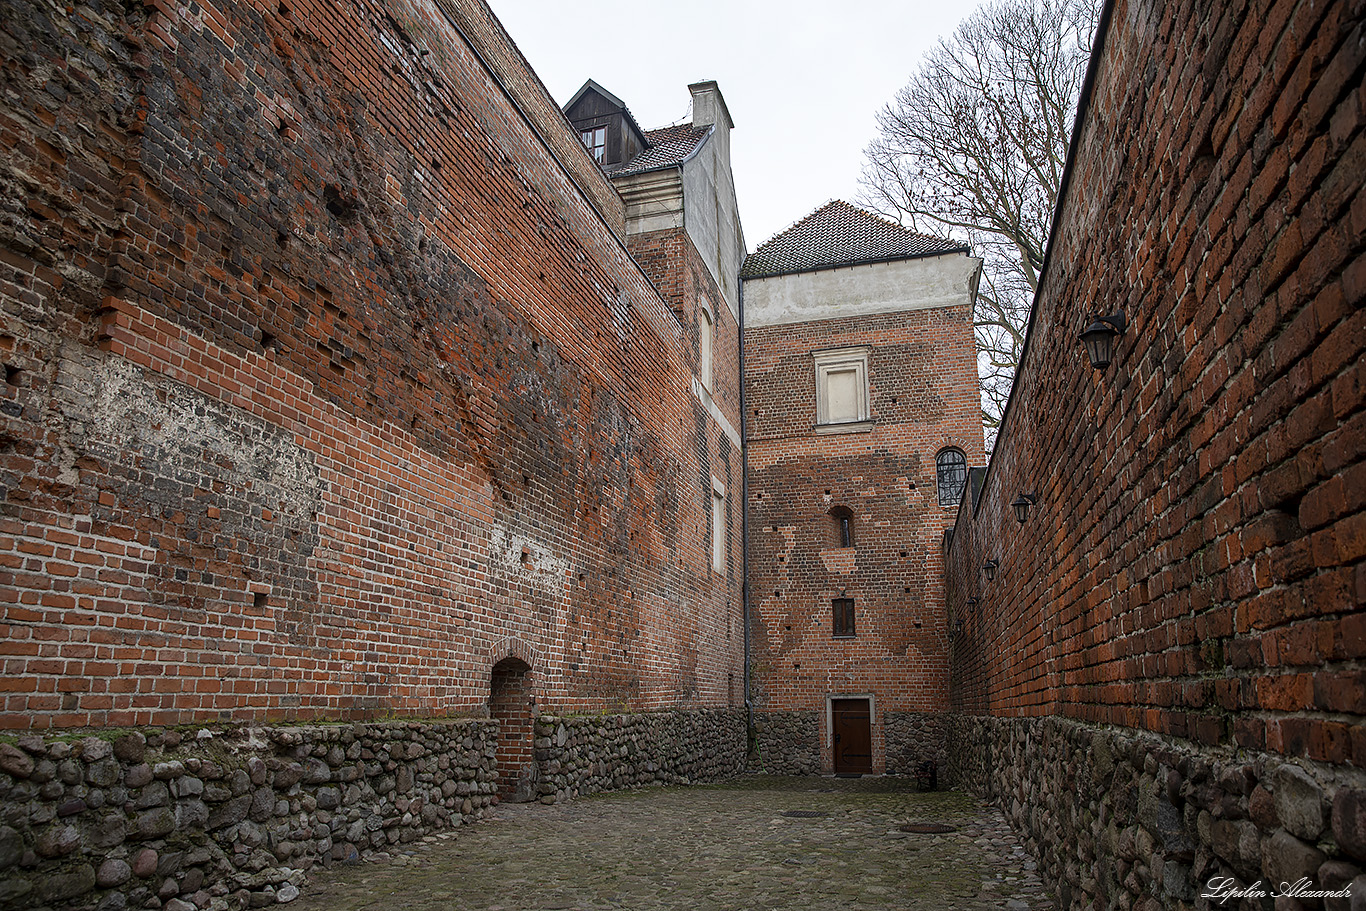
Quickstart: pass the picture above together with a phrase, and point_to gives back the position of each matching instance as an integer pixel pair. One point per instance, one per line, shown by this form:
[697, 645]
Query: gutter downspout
[744, 518]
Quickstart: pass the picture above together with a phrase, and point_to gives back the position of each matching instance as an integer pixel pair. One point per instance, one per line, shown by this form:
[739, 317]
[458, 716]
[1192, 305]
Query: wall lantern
[989, 568]
[973, 602]
[1099, 338]
[1021, 505]
[958, 626]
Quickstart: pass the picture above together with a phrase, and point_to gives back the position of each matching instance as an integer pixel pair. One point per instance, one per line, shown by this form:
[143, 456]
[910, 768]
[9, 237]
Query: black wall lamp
[989, 568]
[1021, 506]
[1099, 338]
[973, 602]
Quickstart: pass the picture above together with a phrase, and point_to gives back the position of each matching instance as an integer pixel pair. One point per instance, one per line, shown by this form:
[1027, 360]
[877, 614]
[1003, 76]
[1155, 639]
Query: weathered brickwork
[684, 282]
[1193, 571]
[328, 387]
[922, 398]
[678, 271]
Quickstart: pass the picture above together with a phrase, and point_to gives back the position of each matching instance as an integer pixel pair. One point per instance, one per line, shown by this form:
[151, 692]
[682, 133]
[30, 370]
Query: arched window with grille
[952, 468]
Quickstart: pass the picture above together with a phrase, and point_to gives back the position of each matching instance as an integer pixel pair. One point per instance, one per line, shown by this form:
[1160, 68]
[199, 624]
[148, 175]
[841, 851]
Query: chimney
[709, 109]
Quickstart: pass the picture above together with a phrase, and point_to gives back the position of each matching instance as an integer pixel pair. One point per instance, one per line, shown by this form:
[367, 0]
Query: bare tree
[974, 146]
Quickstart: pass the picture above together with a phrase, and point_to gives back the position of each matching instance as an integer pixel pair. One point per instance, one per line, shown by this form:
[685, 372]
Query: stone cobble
[720, 846]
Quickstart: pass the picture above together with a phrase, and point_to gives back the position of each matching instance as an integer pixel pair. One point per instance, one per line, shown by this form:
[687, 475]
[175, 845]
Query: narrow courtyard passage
[753, 843]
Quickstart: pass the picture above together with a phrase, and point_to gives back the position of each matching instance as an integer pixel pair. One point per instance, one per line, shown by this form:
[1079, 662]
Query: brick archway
[512, 705]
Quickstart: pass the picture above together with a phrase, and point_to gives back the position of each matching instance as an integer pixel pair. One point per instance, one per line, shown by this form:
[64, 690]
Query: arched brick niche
[512, 705]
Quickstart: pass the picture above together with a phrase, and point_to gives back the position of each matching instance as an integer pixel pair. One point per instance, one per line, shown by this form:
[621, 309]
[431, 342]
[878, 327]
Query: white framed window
[595, 141]
[842, 387]
[718, 525]
[705, 337]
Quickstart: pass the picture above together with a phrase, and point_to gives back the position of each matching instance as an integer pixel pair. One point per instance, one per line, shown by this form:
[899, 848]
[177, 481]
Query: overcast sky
[803, 81]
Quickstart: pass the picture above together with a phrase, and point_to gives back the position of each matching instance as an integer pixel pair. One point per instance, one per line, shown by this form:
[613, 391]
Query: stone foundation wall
[787, 743]
[913, 738]
[220, 819]
[1127, 820]
[579, 755]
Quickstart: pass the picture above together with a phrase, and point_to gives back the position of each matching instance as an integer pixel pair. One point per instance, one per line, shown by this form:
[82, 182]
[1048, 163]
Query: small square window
[844, 617]
[841, 386]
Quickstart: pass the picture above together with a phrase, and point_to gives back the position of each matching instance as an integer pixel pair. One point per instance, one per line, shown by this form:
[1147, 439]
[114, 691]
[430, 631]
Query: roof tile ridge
[791, 227]
[911, 231]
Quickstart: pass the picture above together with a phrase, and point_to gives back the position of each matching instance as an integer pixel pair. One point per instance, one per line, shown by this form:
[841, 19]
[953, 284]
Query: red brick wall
[327, 388]
[922, 398]
[1195, 564]
[678, 271]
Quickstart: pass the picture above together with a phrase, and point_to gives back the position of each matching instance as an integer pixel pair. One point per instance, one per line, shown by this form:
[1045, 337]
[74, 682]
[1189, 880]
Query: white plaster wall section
[909, 284]
[654, 200]
[518, 555]
[712, 218]
[127, 409]
[709, 403]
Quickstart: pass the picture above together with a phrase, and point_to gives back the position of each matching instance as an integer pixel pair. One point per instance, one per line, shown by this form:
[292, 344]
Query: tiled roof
[839, 234]
[668, 147]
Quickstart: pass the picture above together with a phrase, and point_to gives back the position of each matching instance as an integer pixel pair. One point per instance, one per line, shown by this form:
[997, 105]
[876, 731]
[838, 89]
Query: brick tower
[862, 416]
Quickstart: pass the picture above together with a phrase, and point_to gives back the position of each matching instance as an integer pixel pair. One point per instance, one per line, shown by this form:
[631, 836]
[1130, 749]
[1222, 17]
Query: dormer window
[595, 141]
[607, 130]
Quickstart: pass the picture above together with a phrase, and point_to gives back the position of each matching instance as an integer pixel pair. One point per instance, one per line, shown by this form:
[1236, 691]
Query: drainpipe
[744, 518]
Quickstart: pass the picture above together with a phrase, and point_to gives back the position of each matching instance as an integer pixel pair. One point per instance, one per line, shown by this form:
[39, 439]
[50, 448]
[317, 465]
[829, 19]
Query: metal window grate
[952, 470]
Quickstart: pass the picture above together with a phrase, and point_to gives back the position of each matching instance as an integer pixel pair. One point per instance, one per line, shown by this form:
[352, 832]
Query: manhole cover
[928, 828]
[804, 814]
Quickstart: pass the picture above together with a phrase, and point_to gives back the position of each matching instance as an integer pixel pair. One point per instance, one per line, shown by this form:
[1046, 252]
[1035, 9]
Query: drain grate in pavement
[928, 828]
[804, 814]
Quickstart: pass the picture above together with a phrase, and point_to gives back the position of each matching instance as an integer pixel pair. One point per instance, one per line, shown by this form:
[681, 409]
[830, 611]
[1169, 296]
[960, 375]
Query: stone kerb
[225, 818]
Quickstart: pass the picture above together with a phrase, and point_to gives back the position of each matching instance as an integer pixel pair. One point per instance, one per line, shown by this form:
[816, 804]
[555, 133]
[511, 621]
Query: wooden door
[853, 736]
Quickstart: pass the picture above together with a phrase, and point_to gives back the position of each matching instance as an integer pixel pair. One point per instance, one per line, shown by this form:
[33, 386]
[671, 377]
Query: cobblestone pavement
[720, 846]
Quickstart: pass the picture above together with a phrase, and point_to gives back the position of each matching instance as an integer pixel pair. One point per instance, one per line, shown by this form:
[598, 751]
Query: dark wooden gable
[592, 107]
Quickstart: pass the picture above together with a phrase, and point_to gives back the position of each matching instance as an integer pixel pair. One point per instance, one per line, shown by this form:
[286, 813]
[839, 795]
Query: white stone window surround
[706, 344]
[718, 526]
[842, 390]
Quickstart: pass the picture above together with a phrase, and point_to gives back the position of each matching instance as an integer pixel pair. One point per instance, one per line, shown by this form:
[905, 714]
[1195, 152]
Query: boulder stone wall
[580, 755]
[225, 818]
[1129, 820]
